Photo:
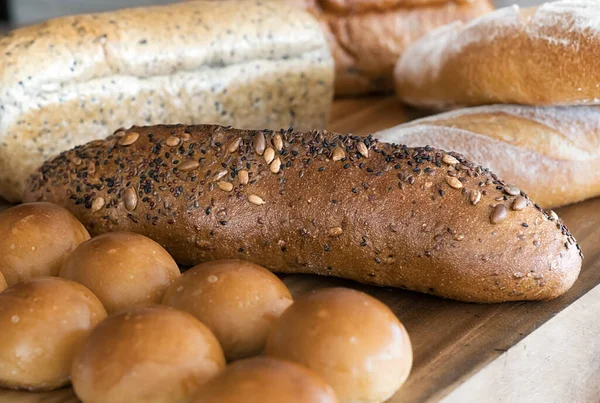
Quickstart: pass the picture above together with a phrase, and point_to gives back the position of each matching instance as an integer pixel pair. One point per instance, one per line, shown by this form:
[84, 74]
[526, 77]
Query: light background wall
[29, 11]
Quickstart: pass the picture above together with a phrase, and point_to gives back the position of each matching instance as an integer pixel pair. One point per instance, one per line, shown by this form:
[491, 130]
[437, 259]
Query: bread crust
[75, 79]
[549, 152]
[321, 203]
[367, 37]
[547, 55]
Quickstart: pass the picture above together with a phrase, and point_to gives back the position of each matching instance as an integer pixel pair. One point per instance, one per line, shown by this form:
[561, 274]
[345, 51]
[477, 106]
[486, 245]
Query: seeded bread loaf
[552, 153]
[321, 203]
[547, 55]
[366, 37]
[74, 79]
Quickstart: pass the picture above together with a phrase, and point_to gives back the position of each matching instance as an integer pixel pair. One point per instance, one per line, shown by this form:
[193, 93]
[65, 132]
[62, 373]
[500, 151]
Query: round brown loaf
[536, 56]
[327, 203]
[238, 300]
[265, 380]
[352, 340]
[35, 240]
[123, 269]
[44, 321]
[145, 354]
[367, 37]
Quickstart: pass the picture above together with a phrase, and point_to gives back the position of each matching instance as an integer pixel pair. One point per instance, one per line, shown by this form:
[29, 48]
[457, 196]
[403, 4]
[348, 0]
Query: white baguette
[551, 153]
[251, 64]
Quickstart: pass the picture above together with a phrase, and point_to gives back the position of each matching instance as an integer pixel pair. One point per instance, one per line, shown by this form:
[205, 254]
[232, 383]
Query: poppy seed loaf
[320, 203]
[75, 79]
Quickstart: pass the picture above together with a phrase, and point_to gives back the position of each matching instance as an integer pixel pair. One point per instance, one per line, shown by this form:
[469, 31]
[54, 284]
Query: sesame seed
[226, 186]
[553, 215]
[77, 161]
[220, 174]
[129, 139]
[254, 199]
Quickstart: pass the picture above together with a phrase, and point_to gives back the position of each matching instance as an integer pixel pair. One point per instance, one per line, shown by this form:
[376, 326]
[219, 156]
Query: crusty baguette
[321, 203]
[548, 55]
[74, 79]
[367, 37]
[551, 153]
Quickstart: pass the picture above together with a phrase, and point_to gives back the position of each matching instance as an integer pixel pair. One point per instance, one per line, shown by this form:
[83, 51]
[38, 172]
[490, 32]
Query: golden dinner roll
[146, 354]
[265, 380]
[36, 238]
[43, 321]
[351, 339]
[238, 300]
[3, 284]
[123, 269]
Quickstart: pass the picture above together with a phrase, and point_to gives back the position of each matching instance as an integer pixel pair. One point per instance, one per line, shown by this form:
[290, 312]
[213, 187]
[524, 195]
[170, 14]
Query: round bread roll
[146, 354]
[265, 380]
[3, 284]
[44, 321]
[36, 238]
[351, 339]
[238, 300]
[123, 269]
[535, 56]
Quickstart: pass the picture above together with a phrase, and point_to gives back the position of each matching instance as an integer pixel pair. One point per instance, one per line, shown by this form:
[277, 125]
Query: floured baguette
[551, 153]
[321, 203]
[252, 64]
[542, 56]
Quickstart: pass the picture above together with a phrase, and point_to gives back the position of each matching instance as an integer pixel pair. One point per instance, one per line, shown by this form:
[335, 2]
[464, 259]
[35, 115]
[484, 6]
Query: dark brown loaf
[318, 202]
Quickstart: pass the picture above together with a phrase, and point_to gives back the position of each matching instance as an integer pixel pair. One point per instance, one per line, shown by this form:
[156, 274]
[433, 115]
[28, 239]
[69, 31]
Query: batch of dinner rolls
[173, 160]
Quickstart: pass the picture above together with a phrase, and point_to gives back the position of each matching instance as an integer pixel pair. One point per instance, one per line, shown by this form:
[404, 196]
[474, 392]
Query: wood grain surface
[451, 340]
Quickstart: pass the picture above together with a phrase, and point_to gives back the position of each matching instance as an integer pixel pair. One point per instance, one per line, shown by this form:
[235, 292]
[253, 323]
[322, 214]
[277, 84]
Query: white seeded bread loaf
[74, 79]
[549, 55]
[551, 153]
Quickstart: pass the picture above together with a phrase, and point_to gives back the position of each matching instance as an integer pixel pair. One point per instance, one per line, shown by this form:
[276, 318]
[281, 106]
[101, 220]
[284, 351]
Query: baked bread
[547, 55]
[366, 37]
[551, 153]
[74, 79]
[321, 203]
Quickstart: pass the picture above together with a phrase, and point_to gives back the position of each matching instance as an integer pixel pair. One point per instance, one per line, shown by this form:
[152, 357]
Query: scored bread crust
[547, 55]
[552, 153]
[321, 203]
[75, 79]
[367, 37]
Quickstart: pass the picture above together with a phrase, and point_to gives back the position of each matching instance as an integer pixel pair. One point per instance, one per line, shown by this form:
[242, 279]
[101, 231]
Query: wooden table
[453, 341]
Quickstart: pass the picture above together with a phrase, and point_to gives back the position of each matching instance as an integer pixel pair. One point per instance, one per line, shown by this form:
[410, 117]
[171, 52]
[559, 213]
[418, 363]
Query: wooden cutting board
[451, 340]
